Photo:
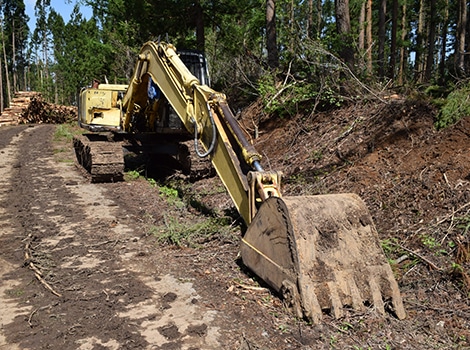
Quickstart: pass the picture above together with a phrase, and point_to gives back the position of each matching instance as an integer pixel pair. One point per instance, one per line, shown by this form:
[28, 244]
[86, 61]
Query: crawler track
[101, 158]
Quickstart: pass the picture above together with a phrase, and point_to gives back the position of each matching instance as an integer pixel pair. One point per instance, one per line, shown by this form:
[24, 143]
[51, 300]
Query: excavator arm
[206, 114]
[320, 253]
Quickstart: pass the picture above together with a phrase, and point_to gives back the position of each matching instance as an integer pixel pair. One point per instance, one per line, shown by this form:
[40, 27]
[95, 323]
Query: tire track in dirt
[10, 309]
[108, 300]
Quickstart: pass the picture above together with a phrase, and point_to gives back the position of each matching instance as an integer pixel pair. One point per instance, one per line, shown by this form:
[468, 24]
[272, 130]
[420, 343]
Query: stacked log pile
[40, 111]
[29, 107]
[12, 114]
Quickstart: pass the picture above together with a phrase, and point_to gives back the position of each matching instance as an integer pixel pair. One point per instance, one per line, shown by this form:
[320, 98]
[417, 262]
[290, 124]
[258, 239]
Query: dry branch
[426, 260]
[37, 272]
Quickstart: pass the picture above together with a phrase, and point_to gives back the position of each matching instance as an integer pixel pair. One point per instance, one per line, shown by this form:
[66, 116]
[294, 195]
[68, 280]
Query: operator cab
[196, 62]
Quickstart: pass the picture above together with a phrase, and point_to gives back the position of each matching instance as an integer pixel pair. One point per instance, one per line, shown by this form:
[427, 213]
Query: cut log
[29, 107]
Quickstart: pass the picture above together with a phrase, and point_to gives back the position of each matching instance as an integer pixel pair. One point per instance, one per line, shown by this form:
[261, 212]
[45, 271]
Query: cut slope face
[414, 179]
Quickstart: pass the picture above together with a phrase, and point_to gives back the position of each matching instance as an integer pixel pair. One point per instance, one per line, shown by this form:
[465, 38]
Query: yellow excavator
[320, 253]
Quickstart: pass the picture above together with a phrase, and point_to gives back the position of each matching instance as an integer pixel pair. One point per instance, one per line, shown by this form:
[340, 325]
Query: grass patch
[172, 196]
[64, 132]
[62, 139]
[193, 234]
[14, 293]
[131, 175]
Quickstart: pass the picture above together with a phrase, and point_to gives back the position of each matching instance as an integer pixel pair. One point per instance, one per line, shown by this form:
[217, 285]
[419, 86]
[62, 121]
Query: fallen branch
[429, 262]
[104, 243]
[35, 311]
[447, 217]
[46, 285]
[460, 311]
[253, 288]
[37, 272]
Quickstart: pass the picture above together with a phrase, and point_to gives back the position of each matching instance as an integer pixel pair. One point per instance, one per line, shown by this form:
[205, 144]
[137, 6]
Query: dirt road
[78, 272]
[82, 268]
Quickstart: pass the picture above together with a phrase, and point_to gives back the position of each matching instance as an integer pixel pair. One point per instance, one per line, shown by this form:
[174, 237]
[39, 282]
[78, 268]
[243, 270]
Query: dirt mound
[414, 179]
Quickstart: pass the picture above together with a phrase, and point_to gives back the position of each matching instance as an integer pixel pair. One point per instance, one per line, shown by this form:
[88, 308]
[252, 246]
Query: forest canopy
[289, 52]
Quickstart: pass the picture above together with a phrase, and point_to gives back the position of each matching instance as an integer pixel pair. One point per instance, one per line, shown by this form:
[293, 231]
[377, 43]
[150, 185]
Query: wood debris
[28, 261]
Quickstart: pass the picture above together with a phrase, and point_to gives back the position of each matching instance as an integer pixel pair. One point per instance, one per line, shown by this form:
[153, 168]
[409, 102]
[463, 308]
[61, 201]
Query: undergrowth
[187, 228]
[62, 138]
[455, 107]
[176, 233]
[64, 132]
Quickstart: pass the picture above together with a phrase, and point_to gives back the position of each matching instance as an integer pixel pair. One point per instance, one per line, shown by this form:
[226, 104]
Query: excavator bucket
[322, 254]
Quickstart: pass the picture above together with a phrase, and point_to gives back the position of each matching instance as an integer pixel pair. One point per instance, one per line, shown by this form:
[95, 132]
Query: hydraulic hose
[214, 136]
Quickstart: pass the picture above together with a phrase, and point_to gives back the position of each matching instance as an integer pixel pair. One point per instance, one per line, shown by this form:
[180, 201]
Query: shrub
[455, 108]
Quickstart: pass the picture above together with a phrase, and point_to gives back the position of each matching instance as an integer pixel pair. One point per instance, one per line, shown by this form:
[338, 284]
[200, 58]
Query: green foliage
[105, 46]
[389, 246]
[283, 328]
[457, 106]
[189, 234]
[434, 245]
[430, 242]
[463, 223]
[171, 195]
[168, 192]
[15, 34]
[314, 79]
[14, 293]
[132, 175]
[290, 98]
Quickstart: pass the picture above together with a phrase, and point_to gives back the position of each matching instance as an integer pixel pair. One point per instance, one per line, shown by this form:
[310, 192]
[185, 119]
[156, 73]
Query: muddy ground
[84, 266]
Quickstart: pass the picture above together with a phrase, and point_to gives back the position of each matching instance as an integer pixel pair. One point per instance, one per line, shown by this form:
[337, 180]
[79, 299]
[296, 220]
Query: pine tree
[15, 31]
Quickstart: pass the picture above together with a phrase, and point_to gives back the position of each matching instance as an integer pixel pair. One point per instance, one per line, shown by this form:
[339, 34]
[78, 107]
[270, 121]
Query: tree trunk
[461, 26]
[431, 42]
[271, 35]
[199, 19]
[369, 36]
[45, 55]
[7, 79]
[13, 57]
[442, 62]
[309, 19]
[404, 33]
[343, 27]
[319, 17]
[382, 24]
[292, 22]
[420, 43]
[362, 19]
[2, 107]
[393, 41]
[25, 79]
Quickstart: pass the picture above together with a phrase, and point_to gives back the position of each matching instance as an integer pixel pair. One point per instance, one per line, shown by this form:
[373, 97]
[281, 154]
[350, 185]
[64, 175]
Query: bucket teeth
[336, 303]
[356, 299]
[376, 295]
[342, 292]
[327, 247]
[387, 289]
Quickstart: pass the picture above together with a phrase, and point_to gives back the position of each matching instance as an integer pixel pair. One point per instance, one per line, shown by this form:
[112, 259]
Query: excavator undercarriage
[320, 253]
[102, 158]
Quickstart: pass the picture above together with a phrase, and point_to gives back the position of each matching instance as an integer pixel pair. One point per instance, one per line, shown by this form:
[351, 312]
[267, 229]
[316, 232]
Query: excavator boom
[320, 253]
